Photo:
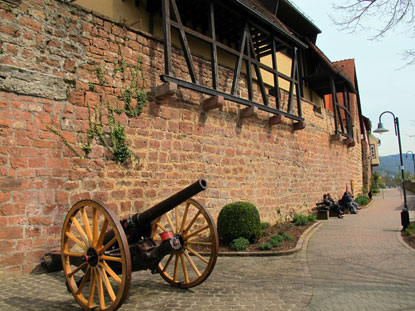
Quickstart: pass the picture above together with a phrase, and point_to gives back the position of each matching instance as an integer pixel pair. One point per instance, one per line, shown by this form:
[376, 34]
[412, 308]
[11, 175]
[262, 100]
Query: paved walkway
[249, 283]
[356, 264]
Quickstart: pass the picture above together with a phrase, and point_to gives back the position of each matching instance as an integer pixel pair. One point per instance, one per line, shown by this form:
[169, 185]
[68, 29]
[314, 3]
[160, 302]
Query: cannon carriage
[176, 238]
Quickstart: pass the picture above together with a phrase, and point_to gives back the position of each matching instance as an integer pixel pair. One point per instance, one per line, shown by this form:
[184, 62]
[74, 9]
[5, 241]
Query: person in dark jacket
[329, 203]
[347, 200]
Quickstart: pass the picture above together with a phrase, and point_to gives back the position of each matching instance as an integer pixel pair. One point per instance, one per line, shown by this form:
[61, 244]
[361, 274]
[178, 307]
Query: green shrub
[277, 238]
[286, 236]
[264, 233]
[311, 218]
[239, 219]
[265, 246]
[265, 225]
[275, 243]
[239, 244]
[300, 220]
[362, 200]
[410, 230]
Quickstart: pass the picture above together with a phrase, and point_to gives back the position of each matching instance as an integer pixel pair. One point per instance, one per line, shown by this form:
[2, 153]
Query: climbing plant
[112, 134]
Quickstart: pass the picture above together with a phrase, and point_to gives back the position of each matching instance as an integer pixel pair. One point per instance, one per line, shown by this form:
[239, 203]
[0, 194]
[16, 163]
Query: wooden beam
[237, 71]
[227, 96]
[335, 137]
[167, 37]
[299, 125]
[274, 120]
[166, 90]
[185, 45]
[213, 102]
[349, 142]
[213, 50]
[248, 112]
[276, 88]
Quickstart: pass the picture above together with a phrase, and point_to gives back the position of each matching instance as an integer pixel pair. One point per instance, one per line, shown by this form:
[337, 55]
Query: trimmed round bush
[239, 219]
[239, 244]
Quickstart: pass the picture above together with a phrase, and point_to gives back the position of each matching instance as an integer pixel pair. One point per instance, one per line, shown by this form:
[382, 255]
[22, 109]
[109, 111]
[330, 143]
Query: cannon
[176, 238]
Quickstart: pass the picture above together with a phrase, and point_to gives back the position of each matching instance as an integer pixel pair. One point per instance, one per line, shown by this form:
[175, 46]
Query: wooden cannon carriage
[176, 238]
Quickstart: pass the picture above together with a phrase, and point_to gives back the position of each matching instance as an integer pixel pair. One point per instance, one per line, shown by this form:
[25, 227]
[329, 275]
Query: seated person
[331, 205]
[353, 201]
[347, 201]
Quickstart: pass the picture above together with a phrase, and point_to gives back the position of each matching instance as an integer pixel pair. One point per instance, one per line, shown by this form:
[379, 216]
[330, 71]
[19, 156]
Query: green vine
[65, 141]
[114, 138]
[100, 75]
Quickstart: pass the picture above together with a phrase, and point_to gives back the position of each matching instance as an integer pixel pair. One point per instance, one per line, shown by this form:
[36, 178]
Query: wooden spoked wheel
[194, 262]
[95, 257]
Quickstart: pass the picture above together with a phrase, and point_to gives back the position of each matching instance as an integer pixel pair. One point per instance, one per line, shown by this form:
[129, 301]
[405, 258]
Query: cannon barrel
[171, 202]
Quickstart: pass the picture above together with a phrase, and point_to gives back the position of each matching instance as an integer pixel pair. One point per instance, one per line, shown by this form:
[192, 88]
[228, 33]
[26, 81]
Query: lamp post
[380, 130]
[413, 158]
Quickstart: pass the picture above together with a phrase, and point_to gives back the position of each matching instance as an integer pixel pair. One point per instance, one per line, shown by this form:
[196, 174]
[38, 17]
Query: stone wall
[49, 86]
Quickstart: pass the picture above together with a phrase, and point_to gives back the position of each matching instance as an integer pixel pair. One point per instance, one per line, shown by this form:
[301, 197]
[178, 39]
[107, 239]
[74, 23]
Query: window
[372, 152]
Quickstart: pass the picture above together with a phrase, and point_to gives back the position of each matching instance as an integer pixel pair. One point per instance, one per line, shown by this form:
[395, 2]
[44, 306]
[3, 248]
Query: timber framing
[343, 122]
[325, 79]
[234, 29]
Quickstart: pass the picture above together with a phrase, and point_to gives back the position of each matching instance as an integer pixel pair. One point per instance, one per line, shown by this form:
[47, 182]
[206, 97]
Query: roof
[256, 8]
[347, 67]
[332, 68]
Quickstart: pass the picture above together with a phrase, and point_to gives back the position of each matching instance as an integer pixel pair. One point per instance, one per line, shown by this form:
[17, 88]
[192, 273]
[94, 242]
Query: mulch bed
[409, 239]
[290, 228]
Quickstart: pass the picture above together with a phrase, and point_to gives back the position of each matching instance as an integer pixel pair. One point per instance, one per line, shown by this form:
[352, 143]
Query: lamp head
[380, 129]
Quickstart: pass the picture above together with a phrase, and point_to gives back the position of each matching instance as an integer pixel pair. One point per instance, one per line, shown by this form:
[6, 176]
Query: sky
[383, 84]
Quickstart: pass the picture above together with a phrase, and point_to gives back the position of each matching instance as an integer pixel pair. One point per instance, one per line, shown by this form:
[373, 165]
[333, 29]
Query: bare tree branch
[389, 14]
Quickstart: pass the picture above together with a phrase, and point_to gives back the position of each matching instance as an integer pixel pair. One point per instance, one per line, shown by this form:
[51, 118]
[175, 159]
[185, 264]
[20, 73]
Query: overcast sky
[382, 85]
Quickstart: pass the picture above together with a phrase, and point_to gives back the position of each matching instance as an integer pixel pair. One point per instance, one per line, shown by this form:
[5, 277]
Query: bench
[323, 213]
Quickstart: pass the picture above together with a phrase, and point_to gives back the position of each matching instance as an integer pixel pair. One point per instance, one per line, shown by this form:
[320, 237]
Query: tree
[389, 14]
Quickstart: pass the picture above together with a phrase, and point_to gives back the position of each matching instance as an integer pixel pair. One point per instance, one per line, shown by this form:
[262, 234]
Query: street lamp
[380, 130]
[413, 158]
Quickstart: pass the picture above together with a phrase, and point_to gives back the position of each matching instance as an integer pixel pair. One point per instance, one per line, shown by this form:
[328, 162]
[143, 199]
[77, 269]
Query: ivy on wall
[112, 134]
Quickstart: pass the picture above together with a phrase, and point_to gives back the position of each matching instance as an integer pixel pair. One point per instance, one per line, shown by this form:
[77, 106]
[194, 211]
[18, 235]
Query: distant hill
[389, 165]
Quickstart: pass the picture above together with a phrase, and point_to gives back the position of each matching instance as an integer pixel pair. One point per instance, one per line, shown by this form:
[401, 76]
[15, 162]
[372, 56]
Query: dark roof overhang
[320, 81]
[264, 16]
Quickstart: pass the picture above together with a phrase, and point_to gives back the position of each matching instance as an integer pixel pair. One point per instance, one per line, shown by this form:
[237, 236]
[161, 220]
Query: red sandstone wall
[40, 178]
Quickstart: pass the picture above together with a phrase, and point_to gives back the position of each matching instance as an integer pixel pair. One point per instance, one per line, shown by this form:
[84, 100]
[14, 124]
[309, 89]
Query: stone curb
[310, 231]
[402, 241]
[367, 205]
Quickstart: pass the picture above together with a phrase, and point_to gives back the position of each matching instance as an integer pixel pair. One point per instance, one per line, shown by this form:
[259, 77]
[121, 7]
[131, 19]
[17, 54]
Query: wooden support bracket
[166, 90]
[335, 137]
[277, 119]
[248, 112]
[213, 102]
[349, 142]
[299, 125]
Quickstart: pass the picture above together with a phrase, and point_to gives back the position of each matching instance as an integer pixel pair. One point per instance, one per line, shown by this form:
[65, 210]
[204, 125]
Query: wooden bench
[323, 213]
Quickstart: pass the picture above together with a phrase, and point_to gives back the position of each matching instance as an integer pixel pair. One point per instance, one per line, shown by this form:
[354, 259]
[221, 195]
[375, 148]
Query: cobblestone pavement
[358, 263]
[248, 283]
